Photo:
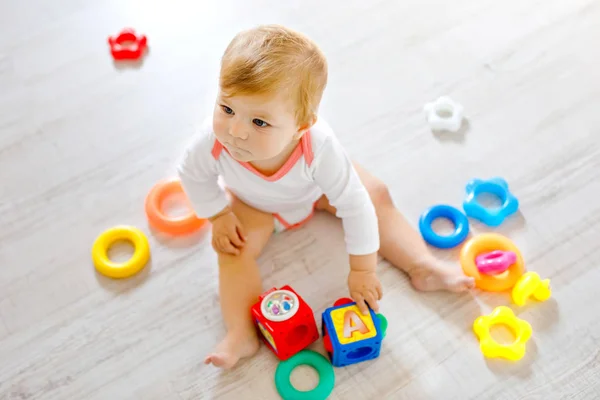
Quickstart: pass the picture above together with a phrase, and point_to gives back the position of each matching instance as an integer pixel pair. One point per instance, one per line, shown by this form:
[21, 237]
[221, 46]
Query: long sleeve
[199, 177]
[337, 178]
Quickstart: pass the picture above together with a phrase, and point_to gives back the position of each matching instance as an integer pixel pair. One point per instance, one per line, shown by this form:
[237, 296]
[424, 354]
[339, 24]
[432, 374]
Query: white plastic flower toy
[444, 114]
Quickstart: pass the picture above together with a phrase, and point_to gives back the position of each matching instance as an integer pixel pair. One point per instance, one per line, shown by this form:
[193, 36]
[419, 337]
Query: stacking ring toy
[531, 285]
[497, 187]
[461, 226]
[310, 358]
[495, 262]
[444, 104]
[158, 220]
[505, 316]
[383, 324]
[485, 243]
[131, 267]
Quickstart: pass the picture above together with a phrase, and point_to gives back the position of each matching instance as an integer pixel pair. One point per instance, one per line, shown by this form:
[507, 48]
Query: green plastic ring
[310, 358]
[383, 323]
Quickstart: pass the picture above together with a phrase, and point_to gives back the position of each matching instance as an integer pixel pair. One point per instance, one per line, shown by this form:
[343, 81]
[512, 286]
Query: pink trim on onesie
[216, 150]
[285, 168]
[304, 148]
[306, 143]
[287, 226]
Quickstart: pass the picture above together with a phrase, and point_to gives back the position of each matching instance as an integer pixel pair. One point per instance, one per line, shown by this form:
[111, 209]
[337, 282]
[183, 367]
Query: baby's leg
[239, 288]
[402, 246]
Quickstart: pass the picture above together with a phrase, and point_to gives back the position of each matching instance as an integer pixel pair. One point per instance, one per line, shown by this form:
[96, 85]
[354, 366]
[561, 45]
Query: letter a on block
[353, 323]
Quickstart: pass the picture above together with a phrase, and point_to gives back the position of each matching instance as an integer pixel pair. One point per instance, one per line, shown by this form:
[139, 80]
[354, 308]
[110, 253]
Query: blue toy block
[353, 337]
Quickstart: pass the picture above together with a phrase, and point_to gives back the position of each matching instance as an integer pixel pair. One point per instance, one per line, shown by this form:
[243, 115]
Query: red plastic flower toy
[127, 45]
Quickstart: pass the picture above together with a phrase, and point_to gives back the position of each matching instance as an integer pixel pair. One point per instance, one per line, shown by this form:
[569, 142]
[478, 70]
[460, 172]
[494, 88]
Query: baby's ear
[304, 128]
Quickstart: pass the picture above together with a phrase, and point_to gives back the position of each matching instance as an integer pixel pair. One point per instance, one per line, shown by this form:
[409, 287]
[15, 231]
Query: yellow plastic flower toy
[491, 348]
[531, 285]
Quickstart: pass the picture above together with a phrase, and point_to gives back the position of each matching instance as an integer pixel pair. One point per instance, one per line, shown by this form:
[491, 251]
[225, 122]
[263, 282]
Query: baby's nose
[238, 132]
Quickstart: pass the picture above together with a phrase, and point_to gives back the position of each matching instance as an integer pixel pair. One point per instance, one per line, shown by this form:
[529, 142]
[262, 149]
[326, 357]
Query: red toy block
[342, 300]
[285, 320]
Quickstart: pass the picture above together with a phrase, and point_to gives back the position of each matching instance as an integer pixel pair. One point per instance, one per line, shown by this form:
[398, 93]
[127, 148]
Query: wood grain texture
[82, 140]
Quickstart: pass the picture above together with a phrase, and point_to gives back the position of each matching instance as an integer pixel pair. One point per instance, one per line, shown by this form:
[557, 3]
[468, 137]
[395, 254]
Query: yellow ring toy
[531, 285]
[505, 316]
[485, 243]
[141, 253]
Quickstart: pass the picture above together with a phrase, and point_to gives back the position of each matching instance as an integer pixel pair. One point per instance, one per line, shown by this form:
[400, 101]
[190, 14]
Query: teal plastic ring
[313, 359]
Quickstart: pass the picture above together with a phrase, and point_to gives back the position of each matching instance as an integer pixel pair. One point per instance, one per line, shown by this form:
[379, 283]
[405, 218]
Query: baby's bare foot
[433, 276]
[233, 347]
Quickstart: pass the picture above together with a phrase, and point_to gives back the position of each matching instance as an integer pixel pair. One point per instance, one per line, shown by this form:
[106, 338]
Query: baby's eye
[227, 110]
[259, 122]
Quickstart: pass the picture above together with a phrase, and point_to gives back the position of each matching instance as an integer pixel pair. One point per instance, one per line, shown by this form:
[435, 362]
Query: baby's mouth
[237, 149]
[238, 152]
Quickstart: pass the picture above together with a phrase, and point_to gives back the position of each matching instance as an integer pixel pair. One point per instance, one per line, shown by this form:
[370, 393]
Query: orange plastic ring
[485, 243]
[158, 220]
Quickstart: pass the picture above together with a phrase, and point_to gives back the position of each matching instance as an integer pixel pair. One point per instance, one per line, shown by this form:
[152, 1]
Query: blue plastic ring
[460, 221]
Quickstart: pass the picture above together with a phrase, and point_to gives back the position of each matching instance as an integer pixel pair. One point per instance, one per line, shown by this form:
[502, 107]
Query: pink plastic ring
[495, 262]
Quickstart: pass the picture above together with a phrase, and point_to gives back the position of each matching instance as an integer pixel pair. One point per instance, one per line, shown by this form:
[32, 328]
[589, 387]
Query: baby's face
[255, 127]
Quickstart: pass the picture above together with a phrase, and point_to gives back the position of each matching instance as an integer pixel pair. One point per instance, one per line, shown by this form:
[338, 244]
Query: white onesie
[319, 165]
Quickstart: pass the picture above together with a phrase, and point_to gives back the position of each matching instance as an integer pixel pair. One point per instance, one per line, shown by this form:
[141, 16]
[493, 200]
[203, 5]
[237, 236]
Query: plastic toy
[531, 285]
[313, 359]
[497, 187]
[505, 316]
[342, 301]
[285, 320]
[127, 45]
[350, 337]
[495, 262]
[140, 257]
[485, 243]
[436, 114]
[158, 220]
[460, 221]
[346, 300]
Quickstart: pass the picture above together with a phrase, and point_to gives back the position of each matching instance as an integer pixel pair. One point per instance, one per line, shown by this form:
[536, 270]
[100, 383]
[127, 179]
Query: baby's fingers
[235, 238]
[372, 300]
[226, 246]
[360, 302]
[379, 292]
[241, 232]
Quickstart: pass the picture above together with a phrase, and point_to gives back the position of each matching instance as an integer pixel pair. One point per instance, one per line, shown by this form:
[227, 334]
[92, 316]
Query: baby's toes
[470, 282]
[460, 283]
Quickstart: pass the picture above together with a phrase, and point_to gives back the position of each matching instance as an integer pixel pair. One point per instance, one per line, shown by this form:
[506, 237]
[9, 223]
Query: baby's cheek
[219, 126]
[271, 146]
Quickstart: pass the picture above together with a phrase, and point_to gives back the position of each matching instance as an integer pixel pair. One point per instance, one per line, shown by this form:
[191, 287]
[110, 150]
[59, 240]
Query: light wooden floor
[82, 141]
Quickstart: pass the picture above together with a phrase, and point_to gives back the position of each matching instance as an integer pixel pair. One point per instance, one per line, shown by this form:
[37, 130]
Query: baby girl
[280, 161]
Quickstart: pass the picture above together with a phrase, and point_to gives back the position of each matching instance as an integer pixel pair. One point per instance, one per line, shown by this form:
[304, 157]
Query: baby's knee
[380, 193]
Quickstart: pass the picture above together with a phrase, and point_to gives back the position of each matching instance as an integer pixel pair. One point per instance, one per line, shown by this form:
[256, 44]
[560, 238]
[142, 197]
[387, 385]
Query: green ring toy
[312, 359]
[383, 323]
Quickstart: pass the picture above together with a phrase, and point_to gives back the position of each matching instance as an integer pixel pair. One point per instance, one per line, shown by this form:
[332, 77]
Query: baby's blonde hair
[270, 58]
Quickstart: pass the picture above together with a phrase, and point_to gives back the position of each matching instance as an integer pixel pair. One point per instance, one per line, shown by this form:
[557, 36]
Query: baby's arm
[199, 179]
[337, 178]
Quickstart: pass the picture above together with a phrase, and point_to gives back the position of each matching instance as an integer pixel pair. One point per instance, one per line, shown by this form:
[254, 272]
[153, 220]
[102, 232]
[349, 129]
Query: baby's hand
[365, 286]
[227, 233]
